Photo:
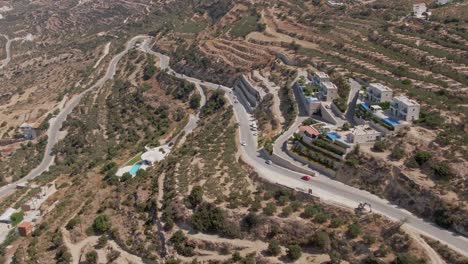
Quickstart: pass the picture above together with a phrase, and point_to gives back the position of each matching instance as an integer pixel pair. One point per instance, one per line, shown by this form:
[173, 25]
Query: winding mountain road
[327, 189]
[55, 123]
[7, 60]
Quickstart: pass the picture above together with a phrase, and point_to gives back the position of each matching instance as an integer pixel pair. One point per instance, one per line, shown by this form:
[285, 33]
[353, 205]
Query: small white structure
[404, 108]
[420, 10]
[6, 216]
[377, 93]
[363, 134]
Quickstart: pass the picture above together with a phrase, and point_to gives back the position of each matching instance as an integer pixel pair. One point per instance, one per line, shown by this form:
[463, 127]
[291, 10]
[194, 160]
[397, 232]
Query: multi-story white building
[328, 91]
[377, 93]
[404, 108]
[420, 10]
[320, 77]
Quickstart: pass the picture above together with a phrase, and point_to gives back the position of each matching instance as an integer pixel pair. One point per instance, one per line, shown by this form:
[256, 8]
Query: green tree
[91, 257]
[274, 248]
[195, 198]
[101, 224]
[294, 252]
[195, 101]
[102, 242]
[208, 218]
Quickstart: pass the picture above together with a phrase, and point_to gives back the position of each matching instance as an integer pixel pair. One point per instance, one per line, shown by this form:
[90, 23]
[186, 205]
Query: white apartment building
[377, 93]
[404, 108]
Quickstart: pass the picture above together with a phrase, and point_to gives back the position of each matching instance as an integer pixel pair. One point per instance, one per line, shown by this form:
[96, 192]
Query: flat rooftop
[406, 100]
[330, 86]
[321, 75]
[380, 87]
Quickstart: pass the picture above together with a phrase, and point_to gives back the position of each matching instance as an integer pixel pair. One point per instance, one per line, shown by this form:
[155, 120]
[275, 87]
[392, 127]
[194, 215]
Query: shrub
[287, 211]
[112, 255]
[270, 209]
[397, 153]
[336, 222]
[102, 242]
[274, 248]
[354, 230]
[73, 222]
[310, 211]
[16, 218]
[101, 224]
[91, 257]
[369, 239]
[294, 252]
[321, 218]
[379, 146]
[321, 240]
[295, 205]
[422, 157]
[63, 256]
[442, 171]
[408, 259]
[283, 200]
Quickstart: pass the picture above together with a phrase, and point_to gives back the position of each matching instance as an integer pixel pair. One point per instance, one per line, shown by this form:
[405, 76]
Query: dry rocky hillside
[202, 203]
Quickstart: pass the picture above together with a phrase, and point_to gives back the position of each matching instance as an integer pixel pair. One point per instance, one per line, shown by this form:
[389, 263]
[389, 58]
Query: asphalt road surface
[328, 190]
[55, 124]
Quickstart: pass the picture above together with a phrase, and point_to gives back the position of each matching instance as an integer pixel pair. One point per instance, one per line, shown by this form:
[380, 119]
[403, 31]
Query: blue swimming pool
[311, 99]
[390, 121]
[333, 136]
[134, 169]
[365, 106]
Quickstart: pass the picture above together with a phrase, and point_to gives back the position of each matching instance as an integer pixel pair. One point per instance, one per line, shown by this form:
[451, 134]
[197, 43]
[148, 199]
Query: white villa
[319, 77]
[420, 10]
[363, 134]
[404, 108]
[328, 91]
[377, 93]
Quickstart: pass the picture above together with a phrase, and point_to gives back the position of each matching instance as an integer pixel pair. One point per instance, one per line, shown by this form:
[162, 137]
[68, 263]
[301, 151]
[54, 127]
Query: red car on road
[306, 177]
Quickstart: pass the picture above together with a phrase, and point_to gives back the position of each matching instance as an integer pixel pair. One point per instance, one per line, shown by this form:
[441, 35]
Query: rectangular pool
[390, 121]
